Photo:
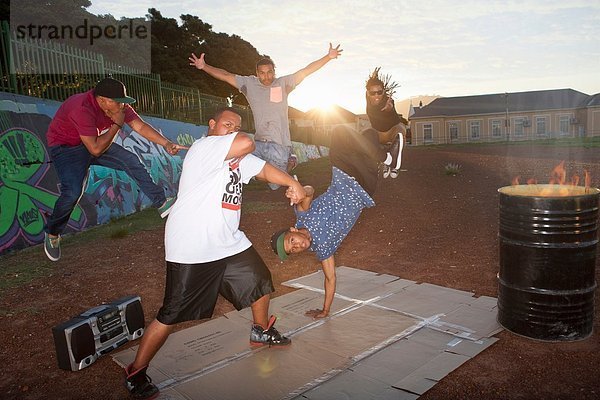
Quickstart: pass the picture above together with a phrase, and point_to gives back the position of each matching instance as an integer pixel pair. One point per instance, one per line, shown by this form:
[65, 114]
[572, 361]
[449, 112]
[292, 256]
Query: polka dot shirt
[333, 214]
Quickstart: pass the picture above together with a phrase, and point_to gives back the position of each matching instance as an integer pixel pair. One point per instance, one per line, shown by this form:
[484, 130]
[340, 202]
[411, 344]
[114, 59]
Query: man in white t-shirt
[206, 253]
[267, 95]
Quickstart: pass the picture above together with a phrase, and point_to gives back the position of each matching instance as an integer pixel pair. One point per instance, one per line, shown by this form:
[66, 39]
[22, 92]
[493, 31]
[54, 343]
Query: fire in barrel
[548, 237]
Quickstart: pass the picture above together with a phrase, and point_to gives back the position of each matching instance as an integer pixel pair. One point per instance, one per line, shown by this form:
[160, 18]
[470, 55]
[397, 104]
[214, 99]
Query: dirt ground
[427, 226]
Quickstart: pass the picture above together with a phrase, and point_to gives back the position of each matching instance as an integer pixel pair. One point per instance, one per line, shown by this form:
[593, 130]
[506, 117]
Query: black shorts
[191, 290]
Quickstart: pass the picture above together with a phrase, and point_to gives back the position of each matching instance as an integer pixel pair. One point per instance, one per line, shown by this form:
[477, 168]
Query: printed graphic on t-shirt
[232, 195]
[276, 95]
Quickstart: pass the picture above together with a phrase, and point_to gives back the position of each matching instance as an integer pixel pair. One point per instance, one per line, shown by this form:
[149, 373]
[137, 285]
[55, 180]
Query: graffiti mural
[28, 183]
[29, 186]
[185, 139]
[305, 152]
[163, 168]
[23, 164]
[115, 194]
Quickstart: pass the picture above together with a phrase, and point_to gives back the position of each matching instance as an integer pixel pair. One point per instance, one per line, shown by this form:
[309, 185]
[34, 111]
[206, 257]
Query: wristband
[120, 126]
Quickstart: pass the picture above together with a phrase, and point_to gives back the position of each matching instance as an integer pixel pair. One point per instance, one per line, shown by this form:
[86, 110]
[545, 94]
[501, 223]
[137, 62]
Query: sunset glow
[467, 51]
[309, 95]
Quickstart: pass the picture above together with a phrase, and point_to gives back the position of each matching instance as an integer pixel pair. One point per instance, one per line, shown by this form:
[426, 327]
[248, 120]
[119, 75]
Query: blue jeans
[275, 154]
[72, 165]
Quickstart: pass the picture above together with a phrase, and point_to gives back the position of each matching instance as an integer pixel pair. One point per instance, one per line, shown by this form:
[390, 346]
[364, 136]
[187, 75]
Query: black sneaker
[269, 336]
[139, 384]
[52, 246]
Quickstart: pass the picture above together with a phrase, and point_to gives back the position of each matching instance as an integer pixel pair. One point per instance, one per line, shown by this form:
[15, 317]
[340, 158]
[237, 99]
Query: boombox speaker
[80, 341]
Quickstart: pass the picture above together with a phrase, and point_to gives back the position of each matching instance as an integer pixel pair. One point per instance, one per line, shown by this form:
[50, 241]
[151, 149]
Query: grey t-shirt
[269, 106]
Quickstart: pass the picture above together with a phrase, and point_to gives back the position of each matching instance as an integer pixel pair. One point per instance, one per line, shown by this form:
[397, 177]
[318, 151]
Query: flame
[558, 175]
[575, 180]
[588, 179]
[559, 186]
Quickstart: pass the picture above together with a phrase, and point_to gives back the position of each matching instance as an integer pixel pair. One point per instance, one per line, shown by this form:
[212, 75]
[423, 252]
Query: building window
[496, 128]
[453, 129]
[475, 130]
[428, 133]
[540, 126]
[563, 125]
[519, 131]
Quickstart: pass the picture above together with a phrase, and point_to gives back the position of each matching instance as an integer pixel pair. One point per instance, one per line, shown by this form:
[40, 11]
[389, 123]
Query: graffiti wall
[29, 186]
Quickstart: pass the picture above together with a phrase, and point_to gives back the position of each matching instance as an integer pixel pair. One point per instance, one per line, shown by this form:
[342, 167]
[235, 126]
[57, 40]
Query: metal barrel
[547, 261]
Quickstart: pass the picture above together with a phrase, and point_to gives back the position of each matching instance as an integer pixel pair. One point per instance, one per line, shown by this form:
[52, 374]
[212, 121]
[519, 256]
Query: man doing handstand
[323, 223]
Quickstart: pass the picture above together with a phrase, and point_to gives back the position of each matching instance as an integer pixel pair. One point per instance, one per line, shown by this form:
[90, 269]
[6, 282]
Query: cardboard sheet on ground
[386, 338]
[350, 283]
[350, 385]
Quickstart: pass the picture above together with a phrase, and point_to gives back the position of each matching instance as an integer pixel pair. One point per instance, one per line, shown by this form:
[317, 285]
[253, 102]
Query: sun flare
[307, 97]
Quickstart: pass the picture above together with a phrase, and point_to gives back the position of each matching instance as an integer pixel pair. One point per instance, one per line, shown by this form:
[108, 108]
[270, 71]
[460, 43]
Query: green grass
[21, 267]
[27, 310]
[571, 142]
[566, 142]
[120, 233]
[18, 272]
[118, 228]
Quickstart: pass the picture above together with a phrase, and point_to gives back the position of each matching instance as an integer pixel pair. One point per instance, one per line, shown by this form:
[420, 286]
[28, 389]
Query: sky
[435, 47]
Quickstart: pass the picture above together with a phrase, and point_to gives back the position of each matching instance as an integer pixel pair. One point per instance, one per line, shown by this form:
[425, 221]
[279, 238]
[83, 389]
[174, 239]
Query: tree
[172, 45]
[69, 17]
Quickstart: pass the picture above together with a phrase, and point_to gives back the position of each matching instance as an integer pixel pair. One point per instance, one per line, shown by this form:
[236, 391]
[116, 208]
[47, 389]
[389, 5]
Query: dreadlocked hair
[389, 86]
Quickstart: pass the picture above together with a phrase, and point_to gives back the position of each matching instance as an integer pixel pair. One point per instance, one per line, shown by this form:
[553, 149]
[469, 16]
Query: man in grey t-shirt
[268, 96]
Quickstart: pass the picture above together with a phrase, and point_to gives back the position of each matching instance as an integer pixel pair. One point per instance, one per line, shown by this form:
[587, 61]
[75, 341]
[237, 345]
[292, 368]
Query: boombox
[80, 341]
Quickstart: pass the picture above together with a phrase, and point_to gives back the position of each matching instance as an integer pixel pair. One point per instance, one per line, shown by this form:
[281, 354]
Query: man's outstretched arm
[314, 66]
[148, 131]
[217, 73]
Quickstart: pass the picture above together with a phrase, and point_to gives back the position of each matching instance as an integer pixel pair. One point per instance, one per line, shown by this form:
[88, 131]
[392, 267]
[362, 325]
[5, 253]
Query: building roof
[294, 113]
[499, 102]
[594, 100]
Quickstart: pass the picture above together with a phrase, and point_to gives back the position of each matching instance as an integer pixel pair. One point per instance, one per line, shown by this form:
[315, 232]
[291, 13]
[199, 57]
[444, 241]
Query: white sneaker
[393, 173]
[386, 171]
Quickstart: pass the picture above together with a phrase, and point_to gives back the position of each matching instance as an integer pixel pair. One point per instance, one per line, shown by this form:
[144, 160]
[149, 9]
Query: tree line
[171, 43]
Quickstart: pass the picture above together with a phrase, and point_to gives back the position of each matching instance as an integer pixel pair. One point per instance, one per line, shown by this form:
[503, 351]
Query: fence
[154, 98]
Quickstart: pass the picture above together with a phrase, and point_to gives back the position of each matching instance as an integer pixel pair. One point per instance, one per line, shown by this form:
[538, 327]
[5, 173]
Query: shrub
[452, 169]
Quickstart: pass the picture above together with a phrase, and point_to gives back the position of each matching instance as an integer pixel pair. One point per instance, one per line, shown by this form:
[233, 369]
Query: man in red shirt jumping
[82, 134]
